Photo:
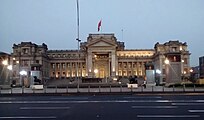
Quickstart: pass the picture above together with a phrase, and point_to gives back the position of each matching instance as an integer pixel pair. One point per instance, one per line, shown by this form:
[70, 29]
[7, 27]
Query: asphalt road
[103, 107]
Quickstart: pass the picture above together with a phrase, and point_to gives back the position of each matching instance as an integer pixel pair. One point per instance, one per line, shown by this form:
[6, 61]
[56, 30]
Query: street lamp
[5, 62]
[95, 71]
[78, 42]
[8, 70]
[9, 67]
[158, 74]
[23, 73]
[166, 61]
[158, 71]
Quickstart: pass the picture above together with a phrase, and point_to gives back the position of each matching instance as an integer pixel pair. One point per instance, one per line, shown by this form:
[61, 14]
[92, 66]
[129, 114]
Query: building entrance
[101, 65]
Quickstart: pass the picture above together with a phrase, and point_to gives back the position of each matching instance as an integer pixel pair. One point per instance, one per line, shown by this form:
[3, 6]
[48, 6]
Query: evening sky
[138, 23]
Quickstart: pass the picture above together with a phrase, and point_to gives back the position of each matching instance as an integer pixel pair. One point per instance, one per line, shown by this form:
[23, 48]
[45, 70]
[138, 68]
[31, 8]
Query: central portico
[101, 60]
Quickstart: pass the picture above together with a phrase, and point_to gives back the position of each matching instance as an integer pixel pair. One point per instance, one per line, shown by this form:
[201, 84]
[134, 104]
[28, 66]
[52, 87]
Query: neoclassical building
[102, 56]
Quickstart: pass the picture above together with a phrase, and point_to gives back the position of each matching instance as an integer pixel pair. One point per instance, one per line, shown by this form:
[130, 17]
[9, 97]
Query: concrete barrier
[132, 85]
[37, 87]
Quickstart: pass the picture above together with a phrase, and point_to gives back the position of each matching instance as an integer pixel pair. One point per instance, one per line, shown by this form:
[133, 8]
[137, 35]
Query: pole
[78, 20]
[78, 41]
[122, 34]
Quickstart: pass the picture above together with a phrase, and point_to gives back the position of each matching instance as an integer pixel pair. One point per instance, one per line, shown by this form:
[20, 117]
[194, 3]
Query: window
[63, 66]
[163, 71]
[185, 61]
[37, 61]
[181, 48]
[16, 51]
[25, 50]
[129, 65]
[25, 62]
[134, 65]
[83, 66]
[174, 49]
[53, 66]
[125, 65]
[120, 65]
[40, 51]
[64, 74]
[58, 66]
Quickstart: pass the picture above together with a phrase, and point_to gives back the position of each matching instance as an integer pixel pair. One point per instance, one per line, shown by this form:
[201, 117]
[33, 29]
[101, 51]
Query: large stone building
[102, 56]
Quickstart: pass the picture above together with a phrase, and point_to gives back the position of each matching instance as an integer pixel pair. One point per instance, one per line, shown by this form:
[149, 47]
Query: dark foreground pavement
[188, 106]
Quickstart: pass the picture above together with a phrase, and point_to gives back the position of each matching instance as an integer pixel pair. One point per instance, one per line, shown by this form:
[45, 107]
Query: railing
[111, 88]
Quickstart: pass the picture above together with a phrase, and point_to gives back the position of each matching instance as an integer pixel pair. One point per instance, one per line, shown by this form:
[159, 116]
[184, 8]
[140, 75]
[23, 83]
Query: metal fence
[102, 89]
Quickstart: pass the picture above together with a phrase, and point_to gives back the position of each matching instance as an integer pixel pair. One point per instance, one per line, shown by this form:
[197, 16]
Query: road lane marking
[44, 108]
[70, 98]
[82, 101]
[155, 107]
[28, 117]
[196, 111]
[168, 116]
[7, 98]
[156, 97]
[187, 104]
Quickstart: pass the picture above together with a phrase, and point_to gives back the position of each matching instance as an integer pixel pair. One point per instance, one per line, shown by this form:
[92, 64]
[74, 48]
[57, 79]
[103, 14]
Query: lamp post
[78, 42]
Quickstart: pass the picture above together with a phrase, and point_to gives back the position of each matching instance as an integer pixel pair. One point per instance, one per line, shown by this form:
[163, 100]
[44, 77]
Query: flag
[99, 25]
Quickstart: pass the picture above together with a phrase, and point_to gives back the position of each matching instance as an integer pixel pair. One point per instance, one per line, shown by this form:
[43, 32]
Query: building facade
[102, 56]
[201, 66]
[26, 57]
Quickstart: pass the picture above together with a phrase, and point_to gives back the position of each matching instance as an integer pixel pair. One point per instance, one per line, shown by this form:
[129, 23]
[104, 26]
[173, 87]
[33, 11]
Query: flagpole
[122, 34]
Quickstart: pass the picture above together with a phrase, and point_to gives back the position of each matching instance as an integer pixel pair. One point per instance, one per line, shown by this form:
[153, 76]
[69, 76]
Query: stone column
[122, 64]
[60, 64]
[138, 68]
[65, 70]
[113, 65]
[132, 68]
[127, 68]
[70, 68]
[143, 69]
[89, 65]
[116, 66]
[55, 69]
[75, 69]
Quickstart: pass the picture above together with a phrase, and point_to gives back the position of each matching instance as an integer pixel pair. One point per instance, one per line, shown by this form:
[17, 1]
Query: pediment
[101, 43]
